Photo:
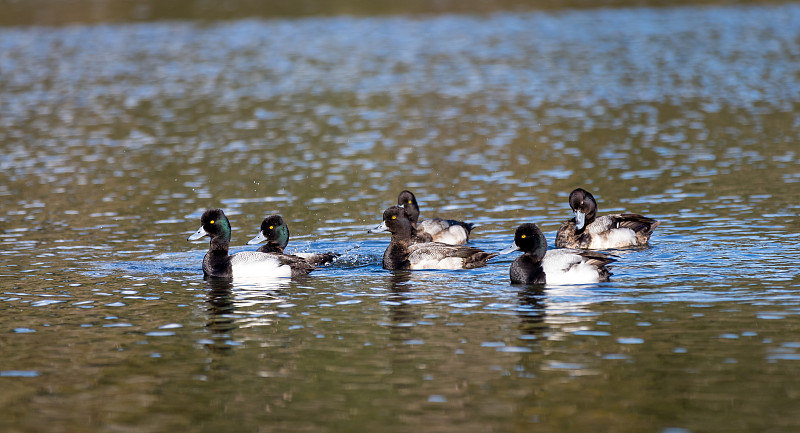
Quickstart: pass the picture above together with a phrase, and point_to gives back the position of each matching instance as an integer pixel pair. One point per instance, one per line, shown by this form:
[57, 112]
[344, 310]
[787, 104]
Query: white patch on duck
[442, 231]
[564, 266]
[445, 263]
[605, 236]
[253, 264]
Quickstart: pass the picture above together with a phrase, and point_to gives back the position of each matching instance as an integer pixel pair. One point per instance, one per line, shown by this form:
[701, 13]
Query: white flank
[442, 231]
[562, 266]
[454, 235]
[253, 264]
[614, 238]
[445, 263]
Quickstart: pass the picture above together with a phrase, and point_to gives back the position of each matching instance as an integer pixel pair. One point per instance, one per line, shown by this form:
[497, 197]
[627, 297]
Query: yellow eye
[270, 227]
[211, 222]
[394, 217]
[523, 236]
[409, 202]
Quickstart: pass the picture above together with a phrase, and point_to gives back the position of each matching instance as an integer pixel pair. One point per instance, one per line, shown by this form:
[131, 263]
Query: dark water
[115, 138]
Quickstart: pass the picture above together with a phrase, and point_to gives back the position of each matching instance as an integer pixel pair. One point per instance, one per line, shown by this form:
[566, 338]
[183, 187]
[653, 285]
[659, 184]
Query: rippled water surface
[115, 138]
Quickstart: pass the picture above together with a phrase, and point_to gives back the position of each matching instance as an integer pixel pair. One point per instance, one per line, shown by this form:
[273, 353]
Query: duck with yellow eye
[247, 264]
[404, 253]
[538, 265]
[275, 233]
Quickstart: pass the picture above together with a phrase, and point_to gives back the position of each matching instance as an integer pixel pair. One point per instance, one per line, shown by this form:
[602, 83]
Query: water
[115, 138]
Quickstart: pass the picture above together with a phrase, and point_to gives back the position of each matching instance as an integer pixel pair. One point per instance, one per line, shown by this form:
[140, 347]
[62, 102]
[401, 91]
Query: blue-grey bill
[380, 228]
[580, 219]
[258, 239]
[197, 235]
[513, 247]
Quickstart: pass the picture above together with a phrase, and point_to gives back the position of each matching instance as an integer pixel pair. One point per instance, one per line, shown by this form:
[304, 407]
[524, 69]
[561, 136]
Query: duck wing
[637, 223]
[595, 258]
[432, 252]
[298, 264]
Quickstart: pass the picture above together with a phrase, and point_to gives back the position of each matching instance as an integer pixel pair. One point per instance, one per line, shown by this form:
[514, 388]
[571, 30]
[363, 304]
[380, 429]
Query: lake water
[115, 138]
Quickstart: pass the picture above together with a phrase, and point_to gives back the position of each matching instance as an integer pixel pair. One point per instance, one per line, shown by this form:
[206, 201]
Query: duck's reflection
[401, 313]
[532, 311]
[220, 321]
[235, 304]
[564, 309]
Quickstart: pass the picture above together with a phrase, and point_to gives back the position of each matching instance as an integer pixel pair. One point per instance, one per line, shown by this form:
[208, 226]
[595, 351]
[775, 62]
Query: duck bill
[580, 220]
[379, 229]
[258, 239]
[198, 234]
[513, 247]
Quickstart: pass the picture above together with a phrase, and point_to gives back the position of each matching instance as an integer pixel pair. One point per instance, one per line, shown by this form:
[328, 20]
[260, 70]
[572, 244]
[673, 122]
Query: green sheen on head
[530, 240]
[216, 224]
[275, 231]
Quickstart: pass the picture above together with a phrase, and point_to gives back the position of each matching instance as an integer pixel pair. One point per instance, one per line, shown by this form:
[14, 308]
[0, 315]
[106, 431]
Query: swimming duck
[587, 231]
[403, 253]
[537, 265]
[276, 233]
[217, 262]
[435, 229]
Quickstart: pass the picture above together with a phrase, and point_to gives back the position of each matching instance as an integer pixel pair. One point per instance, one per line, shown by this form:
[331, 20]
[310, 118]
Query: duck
[451, 232]
[538, 265]
[247, 264]
[276, 234]
[587, 231]
[404, 253]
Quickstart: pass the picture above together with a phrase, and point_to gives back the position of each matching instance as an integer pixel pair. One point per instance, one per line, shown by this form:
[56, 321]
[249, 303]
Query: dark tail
[467, 226]
[478, 259]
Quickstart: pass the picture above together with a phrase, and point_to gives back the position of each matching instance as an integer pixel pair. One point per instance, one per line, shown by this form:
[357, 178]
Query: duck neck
[219, 245]
[217, 262]
[271, 247]
[536, 254]
[412, 210]
[591, 214]
[532, 258]
[403, 235]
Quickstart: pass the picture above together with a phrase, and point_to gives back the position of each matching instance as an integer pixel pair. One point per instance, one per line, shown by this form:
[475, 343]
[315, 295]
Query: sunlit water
[115, 138]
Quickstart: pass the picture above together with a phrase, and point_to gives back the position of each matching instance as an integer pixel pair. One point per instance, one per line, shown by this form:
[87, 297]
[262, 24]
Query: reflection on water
[115, 138]
[221, 320]
[532, 311]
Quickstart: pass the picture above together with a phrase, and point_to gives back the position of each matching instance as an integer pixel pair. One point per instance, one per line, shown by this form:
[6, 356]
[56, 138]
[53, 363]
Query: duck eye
[394, 217]
[409, 202]
[271, 227]
[523, 236]
[211, 222]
